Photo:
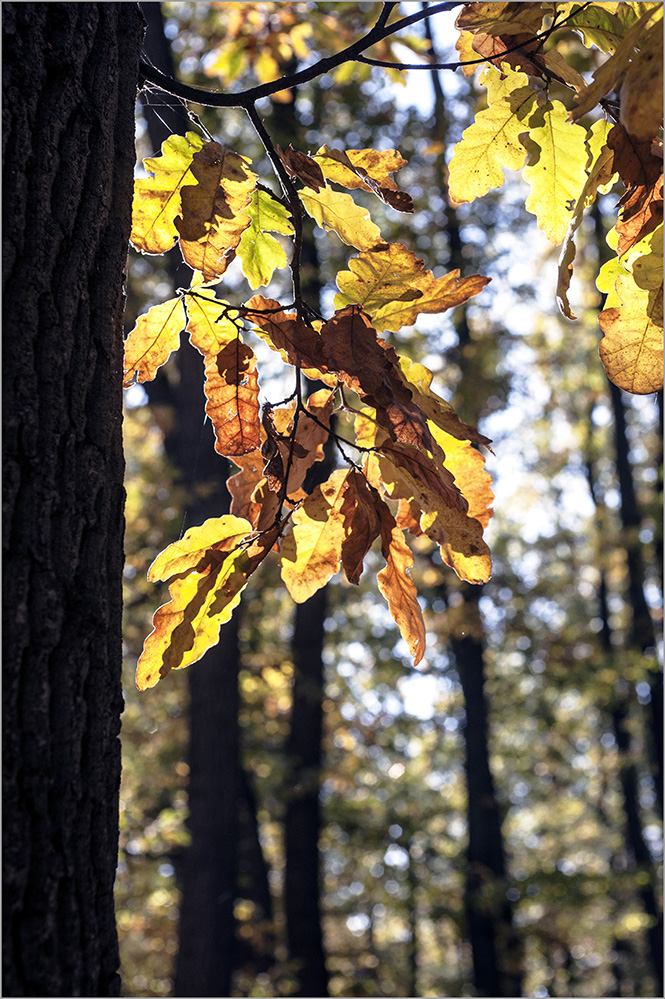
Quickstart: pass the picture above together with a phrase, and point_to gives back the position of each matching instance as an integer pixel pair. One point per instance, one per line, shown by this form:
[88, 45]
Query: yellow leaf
[632, 346]
[310, 555]
[492, 141]
[468, 469]
[213, 218]
[391, 285]
[222, 533]
[157, 198]
[397, 586]
[556, 169]
[641, 95]
[369, 169]
[339, 212]
[208, 326]
[202, 601]
[153, 339]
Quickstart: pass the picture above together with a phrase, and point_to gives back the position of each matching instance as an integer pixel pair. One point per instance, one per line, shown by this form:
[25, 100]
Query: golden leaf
[157, 198]
[397, 586]
[367, 169]
[632, 346]
[152, 341]
[310, 554]
[208, 326]
[221, 533]
[339, 212]
[213, 219]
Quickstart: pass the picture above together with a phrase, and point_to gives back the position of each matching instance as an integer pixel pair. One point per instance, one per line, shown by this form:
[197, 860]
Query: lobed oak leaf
[610, 72]
[641, 207]
[202, 601]
[311, 553]
[232, 394]
[632, 346]
[302, 167]
[339, 212]
[467, 466]
[153, 340]
[601, 24]
[367, 169]
[157, 198]
[498, 27]
[298, 343]
[556, 170]
[219, 533]
[362, 524]
[492, 141]
[391, 285]
[436, 409]
[209, 326]
[243, 484]
[213, 217]
[259, 252]
[397, 586]
[444, 515]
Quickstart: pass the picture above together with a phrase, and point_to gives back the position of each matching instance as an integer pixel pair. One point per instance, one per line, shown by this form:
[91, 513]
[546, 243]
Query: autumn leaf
[467, 466]
[556, 171]
[397, 586]
[498, 27]
[632, 346]
[311, 434]
[232, 394]
[221, 534]
[339, 212]
[259, 252]
[492, 141]
[641, 94]
[362, 524]
[600, 175]
[368, 169]
[213, 218]
[157, 198]
[208, 325]
[298, 343]
[202, 601]
[436, 409]
[393, 288]
[152, 341]
[310, 554]
[243, 484]
[302, 167]
[641, 207]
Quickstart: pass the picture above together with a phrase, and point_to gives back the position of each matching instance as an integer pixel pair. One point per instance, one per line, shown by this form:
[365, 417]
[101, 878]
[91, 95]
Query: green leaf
[260, 253]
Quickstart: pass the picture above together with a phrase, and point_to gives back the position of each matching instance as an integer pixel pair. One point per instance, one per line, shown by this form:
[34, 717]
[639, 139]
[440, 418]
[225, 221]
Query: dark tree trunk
[70, 74]
[303, 819]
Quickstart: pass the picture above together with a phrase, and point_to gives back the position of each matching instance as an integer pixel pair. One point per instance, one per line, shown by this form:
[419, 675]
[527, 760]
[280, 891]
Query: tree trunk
[70, 80]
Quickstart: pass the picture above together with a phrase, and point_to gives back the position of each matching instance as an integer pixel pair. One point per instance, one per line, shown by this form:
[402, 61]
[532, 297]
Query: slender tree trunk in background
[636, 848]
[70, 74]
[302, 820]
[495, 946]
[207, 951]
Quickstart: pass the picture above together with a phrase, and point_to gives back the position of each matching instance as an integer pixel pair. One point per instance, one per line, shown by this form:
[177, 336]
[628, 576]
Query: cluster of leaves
[568, 165]
[416, 451]
[417, 467]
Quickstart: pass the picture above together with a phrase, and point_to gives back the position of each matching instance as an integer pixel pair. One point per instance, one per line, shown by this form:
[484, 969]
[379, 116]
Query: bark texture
[70, 75]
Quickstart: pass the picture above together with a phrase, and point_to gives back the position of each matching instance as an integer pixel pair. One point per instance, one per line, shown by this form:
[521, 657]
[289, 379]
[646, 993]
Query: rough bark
[70, 74]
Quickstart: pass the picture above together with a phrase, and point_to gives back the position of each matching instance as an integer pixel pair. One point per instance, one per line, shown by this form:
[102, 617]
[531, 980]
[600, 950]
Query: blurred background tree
[488, 823]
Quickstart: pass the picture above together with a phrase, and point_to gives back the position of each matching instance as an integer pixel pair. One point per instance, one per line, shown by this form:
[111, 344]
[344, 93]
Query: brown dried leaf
[361, 524]
[641, 207]
[232, 392]
[303, 167]
[397, 586]
[286, 333]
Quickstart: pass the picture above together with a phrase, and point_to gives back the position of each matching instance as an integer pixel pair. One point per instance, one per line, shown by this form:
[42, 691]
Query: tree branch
[244, 99]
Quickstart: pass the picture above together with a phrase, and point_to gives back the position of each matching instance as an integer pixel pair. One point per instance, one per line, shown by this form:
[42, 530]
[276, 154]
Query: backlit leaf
[641, 207]
[397, 586]
[641, 94]
[232, 394]
[209, 327]
[393, 288]
[213, 218]
[302, 167]
[632, 346]
[153, 339]
[339, 212]
[367, 169]
[556, 169]
[492, 141]
[362, 524]
[310, 555]
[285, 332]
[157, 198]
[260, 253]
[221, 533]
[188, 625]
